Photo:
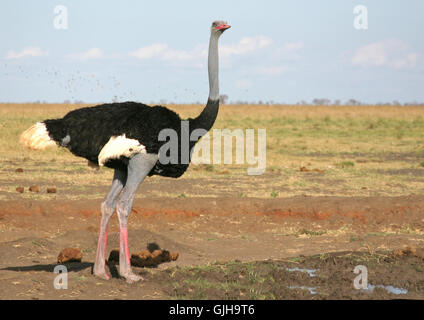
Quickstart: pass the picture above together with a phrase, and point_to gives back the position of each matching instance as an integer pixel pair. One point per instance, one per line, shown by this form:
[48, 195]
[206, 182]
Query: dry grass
[357, 150]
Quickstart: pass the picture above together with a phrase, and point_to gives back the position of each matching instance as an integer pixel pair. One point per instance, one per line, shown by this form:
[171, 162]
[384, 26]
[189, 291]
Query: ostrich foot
[102, 275]
[130, 277]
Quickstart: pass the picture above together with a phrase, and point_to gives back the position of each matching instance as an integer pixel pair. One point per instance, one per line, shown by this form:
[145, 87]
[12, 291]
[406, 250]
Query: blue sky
[284, 51]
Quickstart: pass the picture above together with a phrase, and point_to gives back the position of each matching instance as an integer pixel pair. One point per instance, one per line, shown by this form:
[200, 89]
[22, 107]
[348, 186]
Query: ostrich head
[218, 27]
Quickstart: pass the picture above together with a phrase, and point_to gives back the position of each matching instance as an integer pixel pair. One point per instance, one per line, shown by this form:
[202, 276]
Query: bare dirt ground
[343, 187]
[239, 248]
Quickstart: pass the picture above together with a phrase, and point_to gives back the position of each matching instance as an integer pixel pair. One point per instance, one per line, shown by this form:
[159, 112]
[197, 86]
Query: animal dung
[409, 251]
[304, 169]
[69, 255]
[51, 190]
[33, 189]
[20, 189]
[19, 170]
[114, 256]
[146, 258]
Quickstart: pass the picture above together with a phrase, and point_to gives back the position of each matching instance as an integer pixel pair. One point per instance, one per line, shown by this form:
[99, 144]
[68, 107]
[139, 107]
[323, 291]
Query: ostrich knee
[123, 209]
[107, 209]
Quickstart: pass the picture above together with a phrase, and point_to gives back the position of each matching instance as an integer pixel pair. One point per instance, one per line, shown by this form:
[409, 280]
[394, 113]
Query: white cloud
[162, 51]
[245, 45]
[293, 46]
[94, 53]
[27, 52]
[151, 51]
[290, 50]
[270, 71]
[391, 53]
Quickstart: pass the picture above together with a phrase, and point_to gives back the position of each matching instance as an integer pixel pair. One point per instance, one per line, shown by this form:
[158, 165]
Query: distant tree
[337, 102]
[223, 98]
[352, 102]
[321, 102]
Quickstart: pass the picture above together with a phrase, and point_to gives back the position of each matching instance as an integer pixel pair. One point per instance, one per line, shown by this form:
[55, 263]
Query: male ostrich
[124, 137]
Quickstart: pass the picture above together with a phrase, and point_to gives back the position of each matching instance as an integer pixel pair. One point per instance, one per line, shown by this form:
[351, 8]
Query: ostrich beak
[223, 27]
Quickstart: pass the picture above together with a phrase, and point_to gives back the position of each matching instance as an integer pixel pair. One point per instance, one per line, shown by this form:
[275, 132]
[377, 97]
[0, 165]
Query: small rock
[51, 190]
[20, 189]
[70, 255]
[33, 189]
[19, 170]
[174, 256]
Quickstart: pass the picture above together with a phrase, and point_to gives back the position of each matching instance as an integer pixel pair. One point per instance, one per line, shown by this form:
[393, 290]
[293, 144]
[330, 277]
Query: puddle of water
[312, 290]
[311, 272]
[389, 289]
[371, 287]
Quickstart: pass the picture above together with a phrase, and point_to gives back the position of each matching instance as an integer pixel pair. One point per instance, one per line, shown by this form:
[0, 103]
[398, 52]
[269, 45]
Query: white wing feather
[120, 146]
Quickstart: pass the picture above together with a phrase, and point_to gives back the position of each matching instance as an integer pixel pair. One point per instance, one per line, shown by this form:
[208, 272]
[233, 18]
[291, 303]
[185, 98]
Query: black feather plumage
[85, 131]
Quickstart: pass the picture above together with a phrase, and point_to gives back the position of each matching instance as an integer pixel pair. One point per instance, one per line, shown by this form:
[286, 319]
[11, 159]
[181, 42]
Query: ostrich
[124, 137]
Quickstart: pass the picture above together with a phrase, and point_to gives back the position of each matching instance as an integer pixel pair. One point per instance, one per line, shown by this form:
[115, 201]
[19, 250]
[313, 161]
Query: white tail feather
[37, 137]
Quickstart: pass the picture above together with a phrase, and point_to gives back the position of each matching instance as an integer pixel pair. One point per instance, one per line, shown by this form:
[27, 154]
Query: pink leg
[107, 208]
[124, 240]
[139, 167]
[99, 266]
[124, 257]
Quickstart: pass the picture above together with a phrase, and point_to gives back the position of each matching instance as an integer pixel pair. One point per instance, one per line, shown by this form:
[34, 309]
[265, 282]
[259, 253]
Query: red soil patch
[166, 212]
[87, 213]
[330, 212]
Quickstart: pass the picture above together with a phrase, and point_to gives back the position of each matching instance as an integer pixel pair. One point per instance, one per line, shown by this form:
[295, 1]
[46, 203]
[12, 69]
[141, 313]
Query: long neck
[208, 116]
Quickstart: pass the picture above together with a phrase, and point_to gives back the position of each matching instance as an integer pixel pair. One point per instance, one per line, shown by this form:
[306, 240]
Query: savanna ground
[343, 187]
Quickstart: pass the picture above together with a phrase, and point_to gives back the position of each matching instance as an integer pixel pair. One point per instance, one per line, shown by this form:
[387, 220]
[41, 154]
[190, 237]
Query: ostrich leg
[107, 209]
[139, 167]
